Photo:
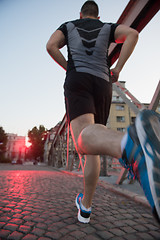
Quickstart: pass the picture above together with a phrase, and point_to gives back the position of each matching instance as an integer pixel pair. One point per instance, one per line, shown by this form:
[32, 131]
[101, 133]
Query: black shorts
[85, 93]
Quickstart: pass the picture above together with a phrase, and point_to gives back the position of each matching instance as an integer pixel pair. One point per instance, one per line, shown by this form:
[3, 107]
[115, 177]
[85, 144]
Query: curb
[125, 193]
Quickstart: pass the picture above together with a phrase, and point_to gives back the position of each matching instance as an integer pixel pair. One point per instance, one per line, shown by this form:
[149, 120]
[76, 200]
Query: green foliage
[3, 143]
[37, 137]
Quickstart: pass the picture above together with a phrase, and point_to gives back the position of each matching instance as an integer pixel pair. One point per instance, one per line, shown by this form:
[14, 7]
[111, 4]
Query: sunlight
[27, 143]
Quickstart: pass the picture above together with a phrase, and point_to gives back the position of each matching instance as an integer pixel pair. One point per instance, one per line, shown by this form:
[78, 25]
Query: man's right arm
[129, 37]
[57, 41]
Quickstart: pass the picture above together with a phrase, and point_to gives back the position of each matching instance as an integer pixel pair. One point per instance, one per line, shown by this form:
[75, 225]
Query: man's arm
[129, 37]
[57, 41]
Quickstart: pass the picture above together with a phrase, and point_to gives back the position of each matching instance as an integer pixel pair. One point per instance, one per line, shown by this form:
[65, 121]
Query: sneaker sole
[149, 136]
[82, 219]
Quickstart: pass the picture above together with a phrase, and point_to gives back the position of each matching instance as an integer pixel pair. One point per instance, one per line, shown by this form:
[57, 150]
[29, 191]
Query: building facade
[121, 115]
[16, 148]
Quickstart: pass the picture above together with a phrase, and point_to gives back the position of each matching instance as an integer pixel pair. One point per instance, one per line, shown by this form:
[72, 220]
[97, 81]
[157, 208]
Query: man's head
[89, 9]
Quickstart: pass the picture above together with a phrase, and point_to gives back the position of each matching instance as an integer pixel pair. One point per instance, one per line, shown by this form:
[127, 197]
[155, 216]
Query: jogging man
[88, 93]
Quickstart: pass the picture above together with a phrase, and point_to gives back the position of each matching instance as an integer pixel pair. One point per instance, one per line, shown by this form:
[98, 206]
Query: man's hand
[114, 74]
[129, 37]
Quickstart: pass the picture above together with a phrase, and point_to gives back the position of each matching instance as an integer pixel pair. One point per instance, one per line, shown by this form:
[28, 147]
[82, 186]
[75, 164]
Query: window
[133, 119]
[117, 99]
[120, 119]
[120, 107]
[158, 108]
[121, 129]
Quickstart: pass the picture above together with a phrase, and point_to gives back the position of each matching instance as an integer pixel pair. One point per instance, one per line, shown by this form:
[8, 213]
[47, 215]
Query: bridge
[60, 150]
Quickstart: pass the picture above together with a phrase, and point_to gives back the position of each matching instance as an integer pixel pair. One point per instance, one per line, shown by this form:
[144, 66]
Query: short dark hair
[90, 8]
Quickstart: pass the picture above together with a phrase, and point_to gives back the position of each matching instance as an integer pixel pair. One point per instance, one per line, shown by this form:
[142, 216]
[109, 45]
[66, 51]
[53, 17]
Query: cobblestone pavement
[38, 204]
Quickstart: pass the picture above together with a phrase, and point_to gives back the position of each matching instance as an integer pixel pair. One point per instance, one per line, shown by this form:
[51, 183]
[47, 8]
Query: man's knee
[83, 143]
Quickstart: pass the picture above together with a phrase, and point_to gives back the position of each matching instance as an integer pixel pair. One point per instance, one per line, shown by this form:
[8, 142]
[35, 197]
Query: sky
[31, 83]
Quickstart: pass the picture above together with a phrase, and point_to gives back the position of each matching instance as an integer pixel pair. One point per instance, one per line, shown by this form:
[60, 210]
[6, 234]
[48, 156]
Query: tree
[3, 143]
[37, 138]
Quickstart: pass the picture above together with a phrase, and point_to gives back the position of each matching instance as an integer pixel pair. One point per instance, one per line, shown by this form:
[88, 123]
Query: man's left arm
[57, 41]
[129, 37]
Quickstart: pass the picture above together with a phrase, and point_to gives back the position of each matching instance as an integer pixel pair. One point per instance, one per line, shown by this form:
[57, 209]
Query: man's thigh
[79, 123]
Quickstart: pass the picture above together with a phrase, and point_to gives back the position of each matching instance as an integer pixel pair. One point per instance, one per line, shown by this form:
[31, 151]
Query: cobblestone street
[38, 204]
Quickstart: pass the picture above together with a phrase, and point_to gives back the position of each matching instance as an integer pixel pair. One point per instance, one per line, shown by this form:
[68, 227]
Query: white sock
[124, 141]
[84, 208]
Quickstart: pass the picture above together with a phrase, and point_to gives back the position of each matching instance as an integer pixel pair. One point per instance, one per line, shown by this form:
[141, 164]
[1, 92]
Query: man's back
[88, 41]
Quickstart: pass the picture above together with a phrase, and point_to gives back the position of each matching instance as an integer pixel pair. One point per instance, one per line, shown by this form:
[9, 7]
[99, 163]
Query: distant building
[121, 115]
[48, 143]
[15, 149]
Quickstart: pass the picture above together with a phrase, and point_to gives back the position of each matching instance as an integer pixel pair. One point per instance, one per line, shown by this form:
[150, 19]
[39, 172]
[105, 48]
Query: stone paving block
[117, 238]
[11, 226]
[16, 221]
[145, 236]
[28, 209]
[6, 209]
[67, 238]
[119, 224]
[140, 228]
[71, 220]
[4, 233]
[48, 221]
[72, 227]
[78, 234]
[29, 223]
[60, 224]
[28, 218]
[24, 229]
[128, 229]
[15, 211]
[117, 232]
[99, 227]
[2, 224]
[42, 226]
[155, 234]
[131, 237]
[38, 220]
[105, 234]
[151, 226]
[4, 219]
[91, 237]
[89, 230]
[15, 236]
[17, 215]
[64, 231]
[30, 237]
[64, 216]
[37, 231]
[53, 235]
[56, 219]
[25, 213]
[129, 222]
[34, 214]
[44, 238]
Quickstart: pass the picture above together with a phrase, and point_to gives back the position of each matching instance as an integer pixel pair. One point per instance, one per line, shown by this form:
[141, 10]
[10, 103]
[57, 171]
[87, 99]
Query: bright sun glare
[28, 144]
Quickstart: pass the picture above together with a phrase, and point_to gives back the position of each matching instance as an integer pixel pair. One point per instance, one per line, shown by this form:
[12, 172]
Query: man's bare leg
[98, 139]
[91, 176]
[93, 140]
[92, 162]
